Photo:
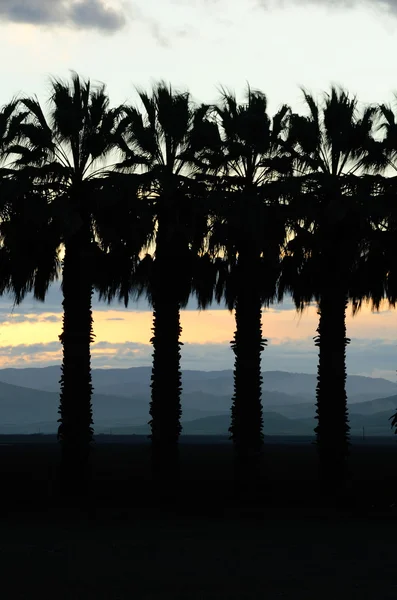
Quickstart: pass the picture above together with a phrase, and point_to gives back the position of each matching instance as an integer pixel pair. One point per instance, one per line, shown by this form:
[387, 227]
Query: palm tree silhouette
[26, 266]
[328, 148]
[378, 267]
[64, 154]
[198, 204]
[158, 145]
[247, 231]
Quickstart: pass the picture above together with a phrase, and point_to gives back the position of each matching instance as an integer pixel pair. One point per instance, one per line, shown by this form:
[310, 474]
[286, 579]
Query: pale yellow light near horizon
[198, 327]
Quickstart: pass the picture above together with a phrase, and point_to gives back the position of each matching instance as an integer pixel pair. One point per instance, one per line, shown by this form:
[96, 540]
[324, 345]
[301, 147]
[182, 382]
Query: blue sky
[201, 44]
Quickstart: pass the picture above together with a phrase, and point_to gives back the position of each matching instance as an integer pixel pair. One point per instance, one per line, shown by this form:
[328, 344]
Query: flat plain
[132, 541]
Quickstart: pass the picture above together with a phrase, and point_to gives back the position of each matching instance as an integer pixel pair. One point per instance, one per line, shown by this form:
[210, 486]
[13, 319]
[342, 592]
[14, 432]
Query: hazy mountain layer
[25, 410]
[135, 382]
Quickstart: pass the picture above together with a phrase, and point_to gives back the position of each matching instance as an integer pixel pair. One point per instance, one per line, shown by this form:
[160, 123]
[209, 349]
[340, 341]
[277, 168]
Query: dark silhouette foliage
[159, 146]
[60, 156]
[331, 224]
[244, 156]
[222, 203]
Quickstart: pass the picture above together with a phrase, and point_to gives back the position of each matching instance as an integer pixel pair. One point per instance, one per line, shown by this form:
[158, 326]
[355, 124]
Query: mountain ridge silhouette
[29, 410]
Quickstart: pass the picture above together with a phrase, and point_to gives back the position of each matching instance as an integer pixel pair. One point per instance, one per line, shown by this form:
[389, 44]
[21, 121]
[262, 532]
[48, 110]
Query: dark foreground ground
[291, 543]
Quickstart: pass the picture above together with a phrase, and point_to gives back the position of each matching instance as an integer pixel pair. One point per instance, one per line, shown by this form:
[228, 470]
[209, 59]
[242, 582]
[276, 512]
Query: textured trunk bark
[75, 430]
[247, 423]
[166, 386]
[333, 428]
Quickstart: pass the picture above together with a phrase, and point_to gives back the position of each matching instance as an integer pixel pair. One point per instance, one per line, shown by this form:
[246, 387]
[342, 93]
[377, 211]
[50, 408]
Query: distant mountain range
[29, 401]
[135, 381]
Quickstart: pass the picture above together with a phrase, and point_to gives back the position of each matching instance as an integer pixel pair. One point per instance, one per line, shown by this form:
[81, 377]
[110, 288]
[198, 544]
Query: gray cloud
[391, 4]
[21, 350]
[115, 319]
[152, 24]
[50, 319]
[382, 4]
[11, 318]
[374, 358]
[344, 4]
[85, 14]
[53, 303]
[93, 13]
[121, 346]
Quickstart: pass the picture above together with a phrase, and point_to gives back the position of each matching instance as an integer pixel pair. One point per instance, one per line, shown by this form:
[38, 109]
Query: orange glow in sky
[205, 327]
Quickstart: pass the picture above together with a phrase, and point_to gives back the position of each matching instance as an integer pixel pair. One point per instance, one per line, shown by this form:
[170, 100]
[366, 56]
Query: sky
[276, 46]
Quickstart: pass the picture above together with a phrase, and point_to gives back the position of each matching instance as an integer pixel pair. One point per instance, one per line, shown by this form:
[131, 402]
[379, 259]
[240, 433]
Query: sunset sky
[275, 45]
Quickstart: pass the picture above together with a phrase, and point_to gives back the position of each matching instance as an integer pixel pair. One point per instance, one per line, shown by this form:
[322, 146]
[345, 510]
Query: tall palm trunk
[247, 422]
[333, 428]
[75, 431]
[166, 386]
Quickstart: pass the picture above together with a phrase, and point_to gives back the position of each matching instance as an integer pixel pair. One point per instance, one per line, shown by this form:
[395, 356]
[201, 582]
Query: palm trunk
[166, 386]
[75, 430]
[247, 422]
[333, 428]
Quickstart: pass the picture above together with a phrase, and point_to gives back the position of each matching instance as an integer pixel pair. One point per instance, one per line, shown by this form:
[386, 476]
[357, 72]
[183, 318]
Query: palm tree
[332, 221]
[124, 226]
[26, 266]
[64, 154]
[378, 267]
[158, 144]
[248, 231]
[29, 253]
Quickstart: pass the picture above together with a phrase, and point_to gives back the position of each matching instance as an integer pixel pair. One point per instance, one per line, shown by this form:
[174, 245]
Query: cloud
[115, 319]
[50, 319]
[53, 303]
[341, 4]
[9, 318]
[94, 13]
[119, 355]
[152, 24]
[364, 356]
[390, 4]
[84, 14]
[30, 355]
[25, 349]
[370, 357]
[115, 345]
